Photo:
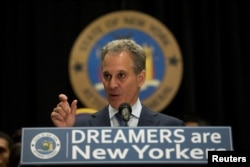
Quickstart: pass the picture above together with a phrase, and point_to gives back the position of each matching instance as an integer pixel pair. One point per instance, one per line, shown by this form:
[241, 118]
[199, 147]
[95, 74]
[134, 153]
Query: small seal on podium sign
[45, 145]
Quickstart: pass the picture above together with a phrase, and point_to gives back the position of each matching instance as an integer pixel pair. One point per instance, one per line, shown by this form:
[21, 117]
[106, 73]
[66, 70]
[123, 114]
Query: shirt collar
[136, 109]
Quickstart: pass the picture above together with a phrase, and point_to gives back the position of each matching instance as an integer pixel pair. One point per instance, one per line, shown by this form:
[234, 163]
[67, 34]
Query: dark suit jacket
[147, 118]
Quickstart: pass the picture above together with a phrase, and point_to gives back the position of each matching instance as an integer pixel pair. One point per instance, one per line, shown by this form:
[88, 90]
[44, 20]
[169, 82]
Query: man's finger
[63, 97]
[74, 107]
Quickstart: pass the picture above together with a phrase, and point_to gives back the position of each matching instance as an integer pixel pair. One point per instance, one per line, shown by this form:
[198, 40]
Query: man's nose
[113, 83]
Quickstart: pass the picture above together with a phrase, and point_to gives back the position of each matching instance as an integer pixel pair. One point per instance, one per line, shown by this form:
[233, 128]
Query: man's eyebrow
[122, 71]
[105, 72]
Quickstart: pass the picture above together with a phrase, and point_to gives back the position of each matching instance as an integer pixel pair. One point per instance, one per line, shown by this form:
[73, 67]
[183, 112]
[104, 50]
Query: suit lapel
[147, 117]
[101, 118]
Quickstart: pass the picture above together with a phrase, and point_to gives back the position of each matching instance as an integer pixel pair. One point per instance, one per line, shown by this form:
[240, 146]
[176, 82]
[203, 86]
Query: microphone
[125, 111]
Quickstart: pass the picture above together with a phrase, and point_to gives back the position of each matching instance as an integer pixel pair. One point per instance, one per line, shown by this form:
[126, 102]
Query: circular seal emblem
[45, 145]
[163, 64]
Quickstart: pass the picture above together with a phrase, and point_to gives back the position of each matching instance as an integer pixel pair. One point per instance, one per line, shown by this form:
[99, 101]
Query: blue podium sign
[123, 145]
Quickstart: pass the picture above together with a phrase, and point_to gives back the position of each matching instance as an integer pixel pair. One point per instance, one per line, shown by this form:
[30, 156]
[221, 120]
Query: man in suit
[123, 74]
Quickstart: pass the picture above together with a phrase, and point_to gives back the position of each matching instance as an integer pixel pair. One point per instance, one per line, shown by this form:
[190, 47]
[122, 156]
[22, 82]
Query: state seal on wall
[164, 63]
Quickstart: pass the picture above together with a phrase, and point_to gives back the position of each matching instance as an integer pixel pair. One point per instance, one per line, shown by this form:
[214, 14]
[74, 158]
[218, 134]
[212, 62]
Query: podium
[101, 146]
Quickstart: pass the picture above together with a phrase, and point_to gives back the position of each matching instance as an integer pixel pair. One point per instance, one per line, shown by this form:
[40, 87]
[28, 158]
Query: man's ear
[141, 77]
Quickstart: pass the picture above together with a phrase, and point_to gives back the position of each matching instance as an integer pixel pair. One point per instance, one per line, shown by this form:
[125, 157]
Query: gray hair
[135, 51]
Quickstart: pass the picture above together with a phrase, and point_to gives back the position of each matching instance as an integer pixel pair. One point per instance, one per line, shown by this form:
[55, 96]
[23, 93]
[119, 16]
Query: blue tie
[120, 120]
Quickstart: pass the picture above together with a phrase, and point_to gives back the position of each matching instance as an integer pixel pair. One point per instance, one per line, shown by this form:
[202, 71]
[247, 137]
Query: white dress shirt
[134, 117]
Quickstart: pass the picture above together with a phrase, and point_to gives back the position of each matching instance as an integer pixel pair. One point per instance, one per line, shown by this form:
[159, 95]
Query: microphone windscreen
[125, 110]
